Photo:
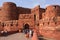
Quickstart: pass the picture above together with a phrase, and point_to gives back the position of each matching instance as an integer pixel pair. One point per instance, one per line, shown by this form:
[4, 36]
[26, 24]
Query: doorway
[26, 28]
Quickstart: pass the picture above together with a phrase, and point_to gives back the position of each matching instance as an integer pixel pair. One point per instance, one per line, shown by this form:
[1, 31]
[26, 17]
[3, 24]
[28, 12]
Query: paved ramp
[17, 36]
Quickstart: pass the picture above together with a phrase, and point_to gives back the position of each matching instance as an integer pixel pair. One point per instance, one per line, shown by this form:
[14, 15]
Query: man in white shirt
[30, 33]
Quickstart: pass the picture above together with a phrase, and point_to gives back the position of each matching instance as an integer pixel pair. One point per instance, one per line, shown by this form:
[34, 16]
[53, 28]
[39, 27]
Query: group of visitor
[28, 32]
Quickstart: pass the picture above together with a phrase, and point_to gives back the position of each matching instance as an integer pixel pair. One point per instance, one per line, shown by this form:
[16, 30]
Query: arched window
[11, 24]
[55, 22]
[54, 6]
[34, 17]
[26, 26]
[48, 23]
[37, 24]
[43, 23]
[2, 24]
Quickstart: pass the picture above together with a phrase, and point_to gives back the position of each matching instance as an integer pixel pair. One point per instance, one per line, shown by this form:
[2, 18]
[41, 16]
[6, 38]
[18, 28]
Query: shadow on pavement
[7, 34]
[41, 37]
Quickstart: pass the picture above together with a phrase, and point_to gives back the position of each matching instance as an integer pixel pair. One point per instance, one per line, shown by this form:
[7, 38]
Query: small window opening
[38, 24]
[54, 6]
[43, 23]
[3, 24]
[34, 17]
[48, 23]
[12, 24]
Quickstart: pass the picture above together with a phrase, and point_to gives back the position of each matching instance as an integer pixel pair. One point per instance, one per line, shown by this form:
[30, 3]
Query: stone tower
[8, 11]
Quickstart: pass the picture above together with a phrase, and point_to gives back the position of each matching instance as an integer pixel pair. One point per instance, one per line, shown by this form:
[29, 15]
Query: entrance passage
[26, 28]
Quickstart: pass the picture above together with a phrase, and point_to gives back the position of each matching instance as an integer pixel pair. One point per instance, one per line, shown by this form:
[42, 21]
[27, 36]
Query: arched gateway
[26, 26]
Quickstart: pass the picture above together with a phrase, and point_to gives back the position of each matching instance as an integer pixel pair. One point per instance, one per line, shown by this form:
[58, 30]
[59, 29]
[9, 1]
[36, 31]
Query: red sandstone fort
[45, 21]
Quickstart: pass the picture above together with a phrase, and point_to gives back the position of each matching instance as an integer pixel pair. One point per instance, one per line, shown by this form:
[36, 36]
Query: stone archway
[26, 26]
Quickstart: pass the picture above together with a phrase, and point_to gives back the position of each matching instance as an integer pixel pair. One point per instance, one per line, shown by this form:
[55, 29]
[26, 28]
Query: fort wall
[46, 21]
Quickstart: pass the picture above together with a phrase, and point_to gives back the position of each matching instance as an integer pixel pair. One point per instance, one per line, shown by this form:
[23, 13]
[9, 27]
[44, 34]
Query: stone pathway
[44, 38]
[17, 36]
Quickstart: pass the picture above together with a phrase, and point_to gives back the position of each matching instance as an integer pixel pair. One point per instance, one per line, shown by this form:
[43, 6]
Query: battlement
[53, 7]
[22, 10]
[9, 23]
[9, 4]
[35, 8]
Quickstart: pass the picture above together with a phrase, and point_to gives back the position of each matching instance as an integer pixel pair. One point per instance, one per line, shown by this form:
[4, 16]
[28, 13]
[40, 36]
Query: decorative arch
[26, 26]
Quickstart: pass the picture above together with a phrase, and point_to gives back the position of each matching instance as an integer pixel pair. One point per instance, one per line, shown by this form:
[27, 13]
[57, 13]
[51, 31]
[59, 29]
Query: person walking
[30, 33]
[27, 33]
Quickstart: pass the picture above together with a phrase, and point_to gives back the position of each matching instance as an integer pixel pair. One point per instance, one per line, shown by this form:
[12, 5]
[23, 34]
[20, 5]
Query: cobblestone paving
[17, 36]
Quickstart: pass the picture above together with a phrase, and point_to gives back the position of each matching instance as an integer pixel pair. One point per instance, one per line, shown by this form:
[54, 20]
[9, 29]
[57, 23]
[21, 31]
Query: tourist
[30, 33]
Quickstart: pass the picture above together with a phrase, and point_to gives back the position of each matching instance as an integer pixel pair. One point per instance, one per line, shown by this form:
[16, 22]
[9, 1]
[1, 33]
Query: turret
[8, 12]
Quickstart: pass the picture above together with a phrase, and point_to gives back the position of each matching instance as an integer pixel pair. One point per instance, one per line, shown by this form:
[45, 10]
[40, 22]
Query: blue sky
[32, 3]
